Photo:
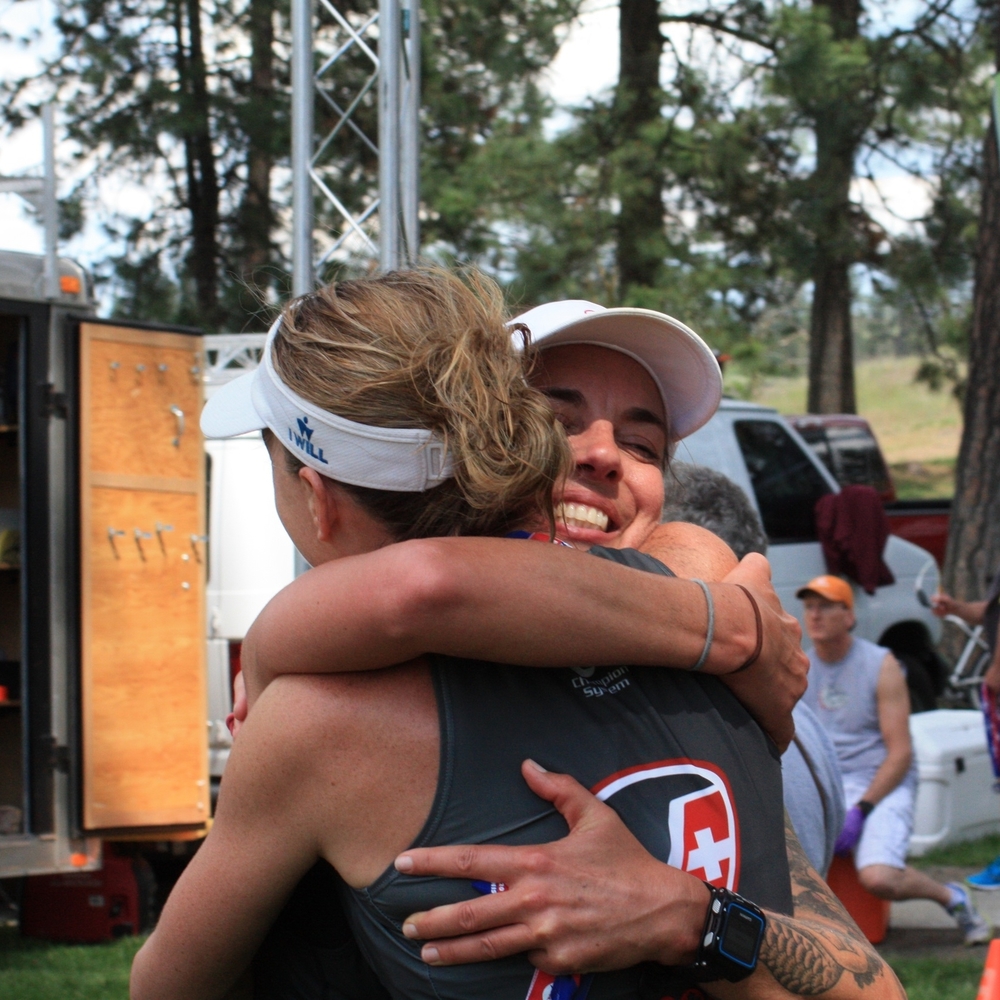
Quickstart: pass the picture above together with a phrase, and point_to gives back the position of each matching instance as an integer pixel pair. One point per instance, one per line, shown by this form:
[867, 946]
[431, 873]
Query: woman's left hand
[593, 901]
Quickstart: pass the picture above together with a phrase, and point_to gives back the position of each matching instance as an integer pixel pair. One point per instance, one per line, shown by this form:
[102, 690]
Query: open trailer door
[143, 559]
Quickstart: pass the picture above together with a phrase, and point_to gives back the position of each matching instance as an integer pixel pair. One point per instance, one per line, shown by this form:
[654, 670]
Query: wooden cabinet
[103, 565]
[143, 559]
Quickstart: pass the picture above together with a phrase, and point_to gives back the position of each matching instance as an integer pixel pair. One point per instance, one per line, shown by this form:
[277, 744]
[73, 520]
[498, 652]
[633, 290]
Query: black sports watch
[730, 943]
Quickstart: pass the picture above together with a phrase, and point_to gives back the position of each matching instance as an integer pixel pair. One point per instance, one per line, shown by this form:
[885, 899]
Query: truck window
[786, 484]
[815, 436]
[857, 458]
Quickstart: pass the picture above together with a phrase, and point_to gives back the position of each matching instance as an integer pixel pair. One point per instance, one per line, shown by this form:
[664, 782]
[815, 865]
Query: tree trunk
[202, 179]
[831, 340]
[974, 536]
[256, 215]
[640, 236]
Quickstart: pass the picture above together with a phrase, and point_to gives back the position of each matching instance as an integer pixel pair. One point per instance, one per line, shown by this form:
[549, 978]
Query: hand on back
[593, 901]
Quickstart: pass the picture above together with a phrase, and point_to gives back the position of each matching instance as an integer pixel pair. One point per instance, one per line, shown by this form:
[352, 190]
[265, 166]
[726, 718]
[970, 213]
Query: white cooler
[955, 798]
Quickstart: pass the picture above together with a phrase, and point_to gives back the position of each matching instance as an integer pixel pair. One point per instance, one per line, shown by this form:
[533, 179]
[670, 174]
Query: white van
[251, 557]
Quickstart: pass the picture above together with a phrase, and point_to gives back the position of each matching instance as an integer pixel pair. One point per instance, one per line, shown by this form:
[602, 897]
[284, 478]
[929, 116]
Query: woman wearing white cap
[353, 769]
[611, 500]
[618, 440]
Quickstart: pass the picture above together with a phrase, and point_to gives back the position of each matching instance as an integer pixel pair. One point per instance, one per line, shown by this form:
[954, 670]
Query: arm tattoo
[808, 954]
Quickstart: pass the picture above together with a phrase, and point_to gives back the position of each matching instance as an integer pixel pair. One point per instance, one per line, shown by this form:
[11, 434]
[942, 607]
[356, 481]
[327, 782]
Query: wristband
[760, 630]
[866, 807]
[710, 629]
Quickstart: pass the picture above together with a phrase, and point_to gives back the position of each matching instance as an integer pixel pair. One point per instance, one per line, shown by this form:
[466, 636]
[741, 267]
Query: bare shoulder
[362, 750]
[350, 710]
[690, 550]
[891, 672]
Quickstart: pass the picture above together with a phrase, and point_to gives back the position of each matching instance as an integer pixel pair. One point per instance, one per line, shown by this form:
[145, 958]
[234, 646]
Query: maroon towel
[853, 529]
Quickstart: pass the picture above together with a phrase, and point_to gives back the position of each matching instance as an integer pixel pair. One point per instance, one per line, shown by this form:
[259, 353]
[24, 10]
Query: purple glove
[851, 833]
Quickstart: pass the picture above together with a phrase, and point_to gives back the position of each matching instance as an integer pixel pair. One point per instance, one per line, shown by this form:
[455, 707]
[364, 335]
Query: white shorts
[885, 836]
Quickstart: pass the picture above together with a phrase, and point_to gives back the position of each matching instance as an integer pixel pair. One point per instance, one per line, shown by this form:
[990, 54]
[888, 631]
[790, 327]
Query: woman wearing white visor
[353, 769]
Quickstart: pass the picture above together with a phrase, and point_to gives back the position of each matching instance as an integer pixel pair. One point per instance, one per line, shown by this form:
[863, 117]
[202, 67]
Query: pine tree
[191, 99]
[974, 533]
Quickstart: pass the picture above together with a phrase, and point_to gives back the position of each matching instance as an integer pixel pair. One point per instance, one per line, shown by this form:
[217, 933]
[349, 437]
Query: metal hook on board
[195, 539]
[179, 414]
[112, 534]
[160, 528]
[139, 536]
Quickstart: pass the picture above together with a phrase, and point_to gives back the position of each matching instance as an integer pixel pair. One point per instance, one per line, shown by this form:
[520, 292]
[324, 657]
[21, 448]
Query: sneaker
[988, 879]
[974, 928]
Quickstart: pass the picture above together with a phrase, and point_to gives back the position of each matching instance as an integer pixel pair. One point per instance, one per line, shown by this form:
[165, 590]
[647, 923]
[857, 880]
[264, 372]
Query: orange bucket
[869, 912]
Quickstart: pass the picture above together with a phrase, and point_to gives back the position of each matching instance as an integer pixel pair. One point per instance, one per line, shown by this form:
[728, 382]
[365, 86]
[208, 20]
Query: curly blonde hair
[428, 348]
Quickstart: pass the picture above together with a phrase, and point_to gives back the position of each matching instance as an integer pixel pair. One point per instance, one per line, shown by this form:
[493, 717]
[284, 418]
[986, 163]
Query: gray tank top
[675, 755]
[843, 696]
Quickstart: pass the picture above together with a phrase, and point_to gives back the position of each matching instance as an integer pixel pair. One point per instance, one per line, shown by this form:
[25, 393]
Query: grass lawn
[915, 426]
[973, 853]
[939, 978]
[37, 970]
[934, 477]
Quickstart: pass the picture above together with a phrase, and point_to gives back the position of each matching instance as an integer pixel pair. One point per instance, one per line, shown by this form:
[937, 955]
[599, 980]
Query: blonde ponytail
[423, 348]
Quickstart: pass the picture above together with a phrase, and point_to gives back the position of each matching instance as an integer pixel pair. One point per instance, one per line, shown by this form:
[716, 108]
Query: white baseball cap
[403, 459]
[680, 363]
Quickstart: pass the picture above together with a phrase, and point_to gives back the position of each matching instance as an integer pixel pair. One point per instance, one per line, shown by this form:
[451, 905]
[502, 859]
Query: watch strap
[729, 914]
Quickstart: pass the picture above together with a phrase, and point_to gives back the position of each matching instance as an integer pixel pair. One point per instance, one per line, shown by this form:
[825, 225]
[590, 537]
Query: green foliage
[133, 100]
[766, 113]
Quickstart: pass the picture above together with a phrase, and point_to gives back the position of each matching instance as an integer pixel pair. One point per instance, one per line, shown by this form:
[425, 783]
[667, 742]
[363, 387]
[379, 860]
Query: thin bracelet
[710, 631]
[760, 630]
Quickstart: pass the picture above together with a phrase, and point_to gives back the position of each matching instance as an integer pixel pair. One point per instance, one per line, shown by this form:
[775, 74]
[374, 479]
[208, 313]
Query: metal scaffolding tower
[387, 228]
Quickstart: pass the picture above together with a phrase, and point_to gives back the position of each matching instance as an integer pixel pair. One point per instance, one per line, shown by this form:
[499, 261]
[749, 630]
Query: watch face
[741, 935]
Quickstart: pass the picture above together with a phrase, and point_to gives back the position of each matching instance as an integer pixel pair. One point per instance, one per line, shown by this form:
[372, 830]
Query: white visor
[402, 459]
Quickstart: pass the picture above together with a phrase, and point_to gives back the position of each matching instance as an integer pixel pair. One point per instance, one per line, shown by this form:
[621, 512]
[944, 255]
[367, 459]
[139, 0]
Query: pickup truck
[760, 451]
[847, 446]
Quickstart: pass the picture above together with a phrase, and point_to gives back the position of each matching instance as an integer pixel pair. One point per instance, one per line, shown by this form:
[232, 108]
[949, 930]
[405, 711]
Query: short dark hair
[700, 495]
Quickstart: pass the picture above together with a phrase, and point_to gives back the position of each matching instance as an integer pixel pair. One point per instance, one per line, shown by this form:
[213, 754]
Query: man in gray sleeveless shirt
[858, 690]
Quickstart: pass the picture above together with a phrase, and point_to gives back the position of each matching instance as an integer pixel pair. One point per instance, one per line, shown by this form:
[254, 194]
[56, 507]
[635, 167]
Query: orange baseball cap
[830, 587]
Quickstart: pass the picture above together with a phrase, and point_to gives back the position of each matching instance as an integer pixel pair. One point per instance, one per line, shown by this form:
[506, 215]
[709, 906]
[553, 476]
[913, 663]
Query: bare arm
[817, 951]
[691, 551]
[970, 612]
[597, 900]
[458, 596]
[234, 887]
[894, 721]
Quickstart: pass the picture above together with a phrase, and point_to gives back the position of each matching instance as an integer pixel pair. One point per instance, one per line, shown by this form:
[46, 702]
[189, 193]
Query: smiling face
[614, 416]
